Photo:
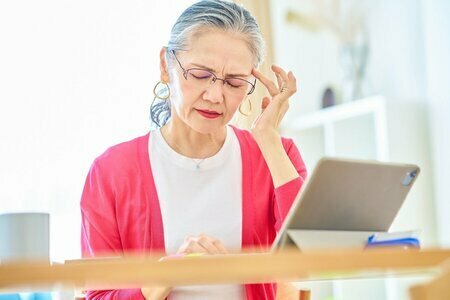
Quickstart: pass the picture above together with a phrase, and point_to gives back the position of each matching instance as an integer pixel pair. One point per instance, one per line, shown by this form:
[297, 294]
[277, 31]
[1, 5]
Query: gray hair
[204, 15]
[220, 15]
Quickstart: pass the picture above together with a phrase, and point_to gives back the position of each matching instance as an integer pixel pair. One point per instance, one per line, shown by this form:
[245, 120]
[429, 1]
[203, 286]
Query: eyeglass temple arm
[178, 61]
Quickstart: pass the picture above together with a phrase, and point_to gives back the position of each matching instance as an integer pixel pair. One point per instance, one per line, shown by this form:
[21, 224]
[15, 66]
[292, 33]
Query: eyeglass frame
[215, 78]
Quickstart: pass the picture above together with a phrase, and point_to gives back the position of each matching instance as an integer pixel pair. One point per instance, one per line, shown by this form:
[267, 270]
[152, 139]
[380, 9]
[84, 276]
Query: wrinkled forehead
[221, 51]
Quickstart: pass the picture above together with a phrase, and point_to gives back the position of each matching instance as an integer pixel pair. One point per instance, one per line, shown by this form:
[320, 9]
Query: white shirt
[207, 200]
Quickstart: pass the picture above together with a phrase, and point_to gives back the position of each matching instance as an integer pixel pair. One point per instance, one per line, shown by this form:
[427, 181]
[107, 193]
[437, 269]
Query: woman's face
[204, 104]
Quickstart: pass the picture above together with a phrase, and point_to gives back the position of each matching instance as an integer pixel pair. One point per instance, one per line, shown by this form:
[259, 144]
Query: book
[390, 239]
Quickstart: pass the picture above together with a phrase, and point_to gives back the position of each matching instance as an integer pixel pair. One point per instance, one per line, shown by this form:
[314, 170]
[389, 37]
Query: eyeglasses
[202, 78]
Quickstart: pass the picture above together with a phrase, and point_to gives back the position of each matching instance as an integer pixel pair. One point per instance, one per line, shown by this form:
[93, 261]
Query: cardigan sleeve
[285, 194]
[99, 230]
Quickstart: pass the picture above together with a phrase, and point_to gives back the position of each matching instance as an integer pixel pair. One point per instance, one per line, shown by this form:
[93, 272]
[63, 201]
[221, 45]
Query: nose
[214, 92]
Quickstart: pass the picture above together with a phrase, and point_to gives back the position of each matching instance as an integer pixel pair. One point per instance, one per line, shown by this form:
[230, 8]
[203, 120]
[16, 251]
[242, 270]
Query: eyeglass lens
[202, 78]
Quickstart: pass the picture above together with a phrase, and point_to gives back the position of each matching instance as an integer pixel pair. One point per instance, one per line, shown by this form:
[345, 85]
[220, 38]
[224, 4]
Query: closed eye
[236, 83]
[200, 74]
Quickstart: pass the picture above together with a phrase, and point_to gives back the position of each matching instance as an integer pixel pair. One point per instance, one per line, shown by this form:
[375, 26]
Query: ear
[163, 66]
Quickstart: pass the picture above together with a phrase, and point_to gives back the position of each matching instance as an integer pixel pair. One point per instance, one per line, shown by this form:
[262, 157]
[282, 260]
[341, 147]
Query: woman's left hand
[275, 107]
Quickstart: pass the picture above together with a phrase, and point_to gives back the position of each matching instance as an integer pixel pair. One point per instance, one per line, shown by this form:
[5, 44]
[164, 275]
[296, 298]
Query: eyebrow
[214, 71]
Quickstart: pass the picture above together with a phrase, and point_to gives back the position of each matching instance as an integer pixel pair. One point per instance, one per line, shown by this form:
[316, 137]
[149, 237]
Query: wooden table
[235, 268]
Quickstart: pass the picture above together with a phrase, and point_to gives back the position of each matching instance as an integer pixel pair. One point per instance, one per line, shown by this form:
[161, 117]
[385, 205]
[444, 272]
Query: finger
[281, 72]
[269, 84]
[289, 80]
[292, 81]
[209, 245]
[280, 81]
[265, 102]
[220, 246]
[192, 247]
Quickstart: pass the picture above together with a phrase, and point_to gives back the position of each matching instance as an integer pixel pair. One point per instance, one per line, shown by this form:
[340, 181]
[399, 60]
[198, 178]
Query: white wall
[436, 16]
[312, 56]
[397, 60]
[76, 77]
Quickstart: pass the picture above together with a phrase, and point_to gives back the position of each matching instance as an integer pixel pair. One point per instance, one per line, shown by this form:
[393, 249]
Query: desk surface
[235, 268]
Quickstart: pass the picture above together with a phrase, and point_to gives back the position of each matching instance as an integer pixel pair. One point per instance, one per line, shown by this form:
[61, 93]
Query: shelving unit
[333, 131]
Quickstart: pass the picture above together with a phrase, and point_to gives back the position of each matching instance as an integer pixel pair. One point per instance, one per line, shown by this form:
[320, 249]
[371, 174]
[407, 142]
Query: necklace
[198, 162]
[177, 148]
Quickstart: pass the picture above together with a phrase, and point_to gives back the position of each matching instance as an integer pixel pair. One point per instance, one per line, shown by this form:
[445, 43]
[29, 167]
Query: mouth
[210, 114]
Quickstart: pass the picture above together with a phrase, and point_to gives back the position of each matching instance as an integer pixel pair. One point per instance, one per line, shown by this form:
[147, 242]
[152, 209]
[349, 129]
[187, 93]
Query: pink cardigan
[120, 208]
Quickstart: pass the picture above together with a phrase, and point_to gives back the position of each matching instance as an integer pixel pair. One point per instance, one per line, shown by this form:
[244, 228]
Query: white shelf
[338, 113]
[329, 119]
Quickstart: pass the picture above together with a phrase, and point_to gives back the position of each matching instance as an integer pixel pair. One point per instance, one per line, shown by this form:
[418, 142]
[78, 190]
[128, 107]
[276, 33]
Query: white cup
[24, 236]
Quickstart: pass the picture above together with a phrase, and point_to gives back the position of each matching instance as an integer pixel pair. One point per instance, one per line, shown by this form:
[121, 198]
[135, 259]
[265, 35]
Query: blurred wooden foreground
[234, 268]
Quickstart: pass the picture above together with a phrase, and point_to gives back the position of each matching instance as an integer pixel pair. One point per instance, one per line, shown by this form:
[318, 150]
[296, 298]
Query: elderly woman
[197, 184]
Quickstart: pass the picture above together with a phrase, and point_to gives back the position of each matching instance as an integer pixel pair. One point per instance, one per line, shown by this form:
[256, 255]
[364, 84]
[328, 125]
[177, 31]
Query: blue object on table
[42, 296]
[35, 296]
[9, 297]
[407, 242]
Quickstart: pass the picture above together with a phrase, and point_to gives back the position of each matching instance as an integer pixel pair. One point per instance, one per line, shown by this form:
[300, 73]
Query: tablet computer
[349, 195]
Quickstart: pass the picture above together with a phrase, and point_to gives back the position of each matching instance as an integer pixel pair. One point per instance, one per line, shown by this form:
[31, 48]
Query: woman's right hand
[203, 243]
